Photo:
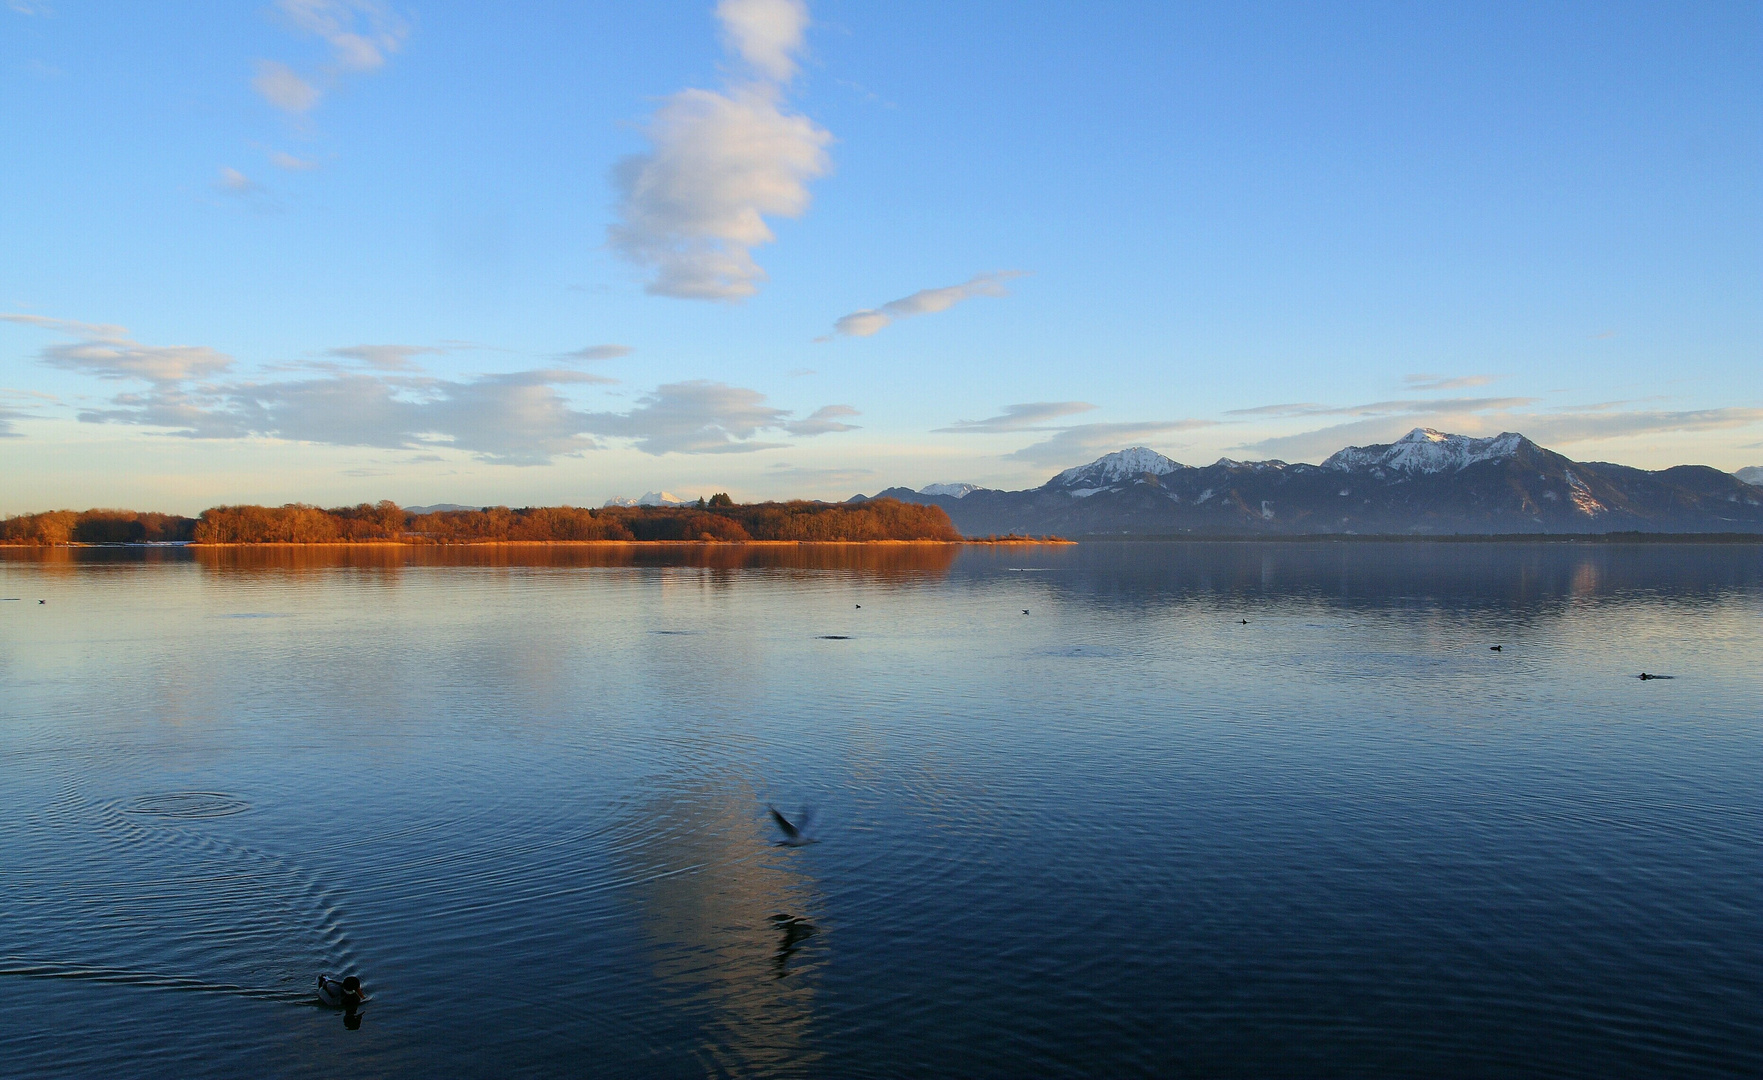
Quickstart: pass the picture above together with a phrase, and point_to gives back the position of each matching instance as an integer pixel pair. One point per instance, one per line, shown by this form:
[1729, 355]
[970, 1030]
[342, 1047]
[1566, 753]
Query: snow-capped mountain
[953, 491]
[1424, 450]
[1120, 467]
[1427, 482]
[1751, 475]
[650, 498]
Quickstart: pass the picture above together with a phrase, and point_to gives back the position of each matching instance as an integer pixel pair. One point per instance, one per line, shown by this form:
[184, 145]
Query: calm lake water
[523, 796]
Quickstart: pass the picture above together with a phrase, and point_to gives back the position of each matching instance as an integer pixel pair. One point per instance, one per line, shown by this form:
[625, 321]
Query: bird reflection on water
[795, 931]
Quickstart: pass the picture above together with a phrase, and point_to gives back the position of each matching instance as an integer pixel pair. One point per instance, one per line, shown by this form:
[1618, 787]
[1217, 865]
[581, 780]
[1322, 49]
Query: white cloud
[30, 7]
[696, 417]
[924, 301]
[359, 33]
[1029, 416]
[283, 87]
[1085, 442]
[234, 182]
[108, 352]
[386, 357]
[514, 418]
[822, 421]
[1400, 406]
[1445, 382]
[591, 353]
[693, 208]
[765, 33]
[282, 160]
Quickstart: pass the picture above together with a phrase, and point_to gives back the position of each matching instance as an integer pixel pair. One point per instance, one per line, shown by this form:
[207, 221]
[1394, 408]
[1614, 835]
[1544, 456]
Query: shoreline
[182, 546]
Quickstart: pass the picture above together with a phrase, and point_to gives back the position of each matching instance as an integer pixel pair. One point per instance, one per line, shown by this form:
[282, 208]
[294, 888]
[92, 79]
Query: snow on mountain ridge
[954, 491]
[1424, 450]
[1114, 468]
[1751, 474]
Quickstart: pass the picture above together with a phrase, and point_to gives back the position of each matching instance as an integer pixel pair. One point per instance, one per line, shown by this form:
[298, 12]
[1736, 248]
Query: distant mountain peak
[1115, 468]
[1751, 475]
[649, 498]
[954, 491]
[1425, 450]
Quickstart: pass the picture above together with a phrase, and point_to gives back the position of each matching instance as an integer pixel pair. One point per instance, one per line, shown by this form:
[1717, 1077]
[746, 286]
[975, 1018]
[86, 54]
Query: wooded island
[717, 519]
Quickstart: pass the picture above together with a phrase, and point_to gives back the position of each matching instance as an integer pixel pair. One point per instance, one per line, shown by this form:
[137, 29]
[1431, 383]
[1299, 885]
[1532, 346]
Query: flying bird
[793, 836]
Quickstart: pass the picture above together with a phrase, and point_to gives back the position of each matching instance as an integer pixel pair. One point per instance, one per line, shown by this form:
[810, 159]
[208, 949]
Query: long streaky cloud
[1081, 442]
[1445, 382]
[1028, 416]
[923, 302]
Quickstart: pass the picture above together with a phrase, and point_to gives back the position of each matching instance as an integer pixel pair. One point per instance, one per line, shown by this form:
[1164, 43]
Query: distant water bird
[1494, 648]
[1025, 611]
[42, 601]
[1644, 676]
[859, 607]
[794, 836]
[1245, 622]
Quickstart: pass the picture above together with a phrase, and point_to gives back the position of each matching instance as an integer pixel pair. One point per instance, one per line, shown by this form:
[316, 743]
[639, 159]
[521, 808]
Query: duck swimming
[342, 994]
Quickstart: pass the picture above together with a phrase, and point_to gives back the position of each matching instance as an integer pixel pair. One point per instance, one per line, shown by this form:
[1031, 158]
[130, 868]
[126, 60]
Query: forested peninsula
[717, 520]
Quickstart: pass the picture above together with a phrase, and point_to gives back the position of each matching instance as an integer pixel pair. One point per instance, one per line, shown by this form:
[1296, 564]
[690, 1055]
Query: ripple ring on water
[187, 805]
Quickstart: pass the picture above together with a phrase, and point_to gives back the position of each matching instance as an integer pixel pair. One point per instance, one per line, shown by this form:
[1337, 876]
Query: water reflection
[904, 559]
[715, 928]
[1131, 834]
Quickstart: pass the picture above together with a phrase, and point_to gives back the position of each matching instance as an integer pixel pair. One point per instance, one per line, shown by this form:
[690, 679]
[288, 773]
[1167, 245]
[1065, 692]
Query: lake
[1206, 809]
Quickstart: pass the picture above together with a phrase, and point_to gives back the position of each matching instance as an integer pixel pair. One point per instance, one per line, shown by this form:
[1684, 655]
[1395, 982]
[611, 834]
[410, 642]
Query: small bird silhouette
[1245, 622]
[793, 836]
[1025, 611]
[1494, 648]
[859, 607]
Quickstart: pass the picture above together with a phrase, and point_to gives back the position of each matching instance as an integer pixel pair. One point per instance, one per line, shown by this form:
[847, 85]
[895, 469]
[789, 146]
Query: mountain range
[1425, 483]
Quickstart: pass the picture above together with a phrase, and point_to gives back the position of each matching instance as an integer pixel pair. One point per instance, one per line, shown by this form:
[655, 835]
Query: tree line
[719, 518]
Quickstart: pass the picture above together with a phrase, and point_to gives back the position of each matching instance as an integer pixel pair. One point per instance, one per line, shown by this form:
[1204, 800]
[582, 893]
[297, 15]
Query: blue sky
[331, 251]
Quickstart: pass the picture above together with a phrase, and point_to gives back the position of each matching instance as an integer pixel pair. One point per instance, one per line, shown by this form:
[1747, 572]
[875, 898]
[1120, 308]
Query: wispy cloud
[706, 417]
[693, 208]
[283, 87]
[233, 182]
[30, 7]
[360, 34]
[923, 302]
[386, 357]
[513, 418]
[283, 160]
[1084, 442]
[109, 352]
[1399, 406]
[823, 420]
[591, 353]
[1445, 382]
[1028, 416]
[1552, 428]
[809, 474]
